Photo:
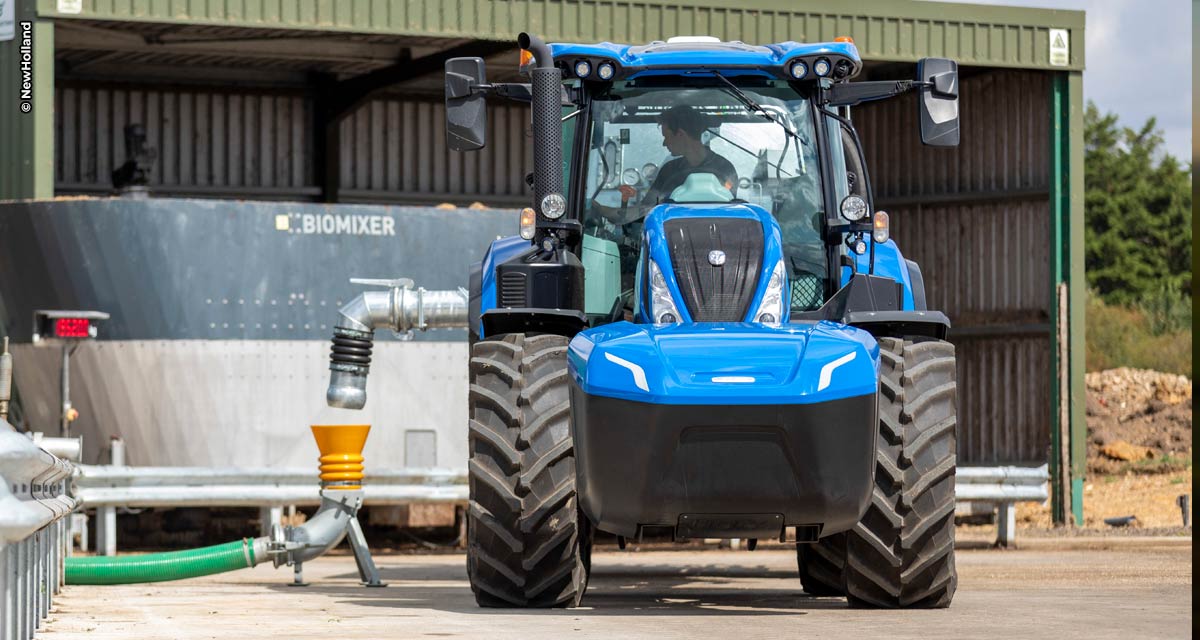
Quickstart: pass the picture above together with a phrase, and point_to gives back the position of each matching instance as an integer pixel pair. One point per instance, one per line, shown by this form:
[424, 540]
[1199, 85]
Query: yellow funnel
[341, 458]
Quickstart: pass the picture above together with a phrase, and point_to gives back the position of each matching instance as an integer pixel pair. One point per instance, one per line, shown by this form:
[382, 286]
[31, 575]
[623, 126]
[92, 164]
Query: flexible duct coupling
[341, 458]
[349, 364]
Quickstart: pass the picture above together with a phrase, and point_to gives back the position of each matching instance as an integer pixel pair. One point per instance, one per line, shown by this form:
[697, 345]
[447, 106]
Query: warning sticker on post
[1060, 48]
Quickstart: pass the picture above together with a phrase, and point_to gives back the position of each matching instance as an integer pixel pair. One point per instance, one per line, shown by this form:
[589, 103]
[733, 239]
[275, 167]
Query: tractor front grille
[715, 293]
[512, 290]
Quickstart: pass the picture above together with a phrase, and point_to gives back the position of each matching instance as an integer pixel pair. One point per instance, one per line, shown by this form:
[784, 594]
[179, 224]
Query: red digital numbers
[71, 327]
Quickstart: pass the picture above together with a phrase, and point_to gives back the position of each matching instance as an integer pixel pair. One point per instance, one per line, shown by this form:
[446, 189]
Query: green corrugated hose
[158, 567]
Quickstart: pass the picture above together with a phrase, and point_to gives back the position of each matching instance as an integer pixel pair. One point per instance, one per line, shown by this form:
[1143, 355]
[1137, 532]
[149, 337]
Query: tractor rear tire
[901, 554]
[527, 543]
[821, 565]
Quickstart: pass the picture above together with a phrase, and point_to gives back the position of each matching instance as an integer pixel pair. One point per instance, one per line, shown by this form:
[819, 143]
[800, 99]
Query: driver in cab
[682, 127]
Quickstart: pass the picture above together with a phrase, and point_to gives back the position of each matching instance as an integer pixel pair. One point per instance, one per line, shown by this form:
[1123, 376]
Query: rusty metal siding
[1004, 399]
[977, 219]
[216, 142]
[395, 148]
[896, 30]
[259, 145]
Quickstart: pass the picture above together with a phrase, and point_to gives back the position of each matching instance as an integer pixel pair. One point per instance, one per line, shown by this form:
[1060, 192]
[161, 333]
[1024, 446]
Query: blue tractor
[703, 329]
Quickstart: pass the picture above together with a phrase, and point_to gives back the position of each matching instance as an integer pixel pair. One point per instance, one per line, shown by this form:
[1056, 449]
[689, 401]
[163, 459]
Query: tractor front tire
[901, 554]
[527, 543]
[821, 565]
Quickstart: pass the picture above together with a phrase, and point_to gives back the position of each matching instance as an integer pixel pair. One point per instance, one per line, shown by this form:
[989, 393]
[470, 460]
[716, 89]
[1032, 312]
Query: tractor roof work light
[56, 325]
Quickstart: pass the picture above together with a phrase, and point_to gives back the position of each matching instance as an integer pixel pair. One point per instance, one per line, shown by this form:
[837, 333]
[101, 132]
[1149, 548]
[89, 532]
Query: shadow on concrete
[623, 589]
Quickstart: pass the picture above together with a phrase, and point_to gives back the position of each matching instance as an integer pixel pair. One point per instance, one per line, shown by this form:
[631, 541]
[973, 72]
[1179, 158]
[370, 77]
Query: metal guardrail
[1003, 487]
[106, 487]
[34, 531]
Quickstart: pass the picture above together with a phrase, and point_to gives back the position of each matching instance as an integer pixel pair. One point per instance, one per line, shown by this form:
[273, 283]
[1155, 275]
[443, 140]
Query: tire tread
[528, 545]
[901, 554]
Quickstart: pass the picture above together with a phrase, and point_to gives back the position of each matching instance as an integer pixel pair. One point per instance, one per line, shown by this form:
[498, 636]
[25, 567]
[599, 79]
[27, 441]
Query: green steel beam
[1068, 435]
[1059, 499]
[27, 152]
[886, 30]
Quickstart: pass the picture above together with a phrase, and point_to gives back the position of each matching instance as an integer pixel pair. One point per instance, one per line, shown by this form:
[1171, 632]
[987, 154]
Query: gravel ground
[1123, 588]
[1149, 497]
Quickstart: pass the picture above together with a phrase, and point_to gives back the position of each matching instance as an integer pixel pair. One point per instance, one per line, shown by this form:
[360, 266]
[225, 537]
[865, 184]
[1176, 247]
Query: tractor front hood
[725, 363]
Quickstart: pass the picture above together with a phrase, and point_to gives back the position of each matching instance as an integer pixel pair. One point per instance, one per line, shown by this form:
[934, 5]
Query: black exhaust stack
[546, 81]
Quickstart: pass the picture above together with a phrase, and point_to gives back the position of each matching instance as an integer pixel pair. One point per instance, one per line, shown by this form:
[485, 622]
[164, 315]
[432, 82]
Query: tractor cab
[667, 145]
[737, 163]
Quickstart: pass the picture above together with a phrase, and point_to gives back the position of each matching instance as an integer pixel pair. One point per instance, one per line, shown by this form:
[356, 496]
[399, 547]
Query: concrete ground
[1139, 588]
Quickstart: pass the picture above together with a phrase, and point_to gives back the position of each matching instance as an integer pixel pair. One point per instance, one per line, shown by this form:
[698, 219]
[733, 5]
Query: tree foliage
[1138, 210]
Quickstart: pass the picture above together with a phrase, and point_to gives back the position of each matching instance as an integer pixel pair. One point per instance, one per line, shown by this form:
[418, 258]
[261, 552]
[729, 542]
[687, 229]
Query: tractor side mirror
[939, 102]
[466, 104]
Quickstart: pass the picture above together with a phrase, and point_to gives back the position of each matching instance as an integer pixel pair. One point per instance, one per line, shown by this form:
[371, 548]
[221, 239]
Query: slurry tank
[216, 351]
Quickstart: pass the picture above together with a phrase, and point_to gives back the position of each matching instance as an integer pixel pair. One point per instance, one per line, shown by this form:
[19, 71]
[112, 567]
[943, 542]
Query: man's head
[682, 127]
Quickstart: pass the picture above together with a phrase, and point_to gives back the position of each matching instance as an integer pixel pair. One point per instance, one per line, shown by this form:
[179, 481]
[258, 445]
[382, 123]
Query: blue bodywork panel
[725, 363]
[501, 251]
[730, 55]
[656, 244]
[889, 263]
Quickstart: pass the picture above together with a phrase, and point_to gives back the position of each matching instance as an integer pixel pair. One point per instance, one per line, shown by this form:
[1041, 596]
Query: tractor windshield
[690, 140]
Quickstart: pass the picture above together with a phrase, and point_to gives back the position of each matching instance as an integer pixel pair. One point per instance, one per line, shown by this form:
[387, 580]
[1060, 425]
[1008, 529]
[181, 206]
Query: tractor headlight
[799, 70]
[770, 310]
[583, 68]
[821, 67]
[606, 70]
[854, 208]
[662, 307]
[554, 205]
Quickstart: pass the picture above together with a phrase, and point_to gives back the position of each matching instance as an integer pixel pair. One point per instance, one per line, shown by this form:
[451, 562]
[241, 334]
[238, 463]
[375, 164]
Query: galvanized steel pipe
[402, 309]
[243, 495]
[96, 476]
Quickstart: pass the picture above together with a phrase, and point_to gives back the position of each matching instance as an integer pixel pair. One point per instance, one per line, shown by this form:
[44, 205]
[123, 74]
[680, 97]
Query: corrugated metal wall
[977, 219]
[259, 144]
[395, 149]
[206, 141]
[884, 29]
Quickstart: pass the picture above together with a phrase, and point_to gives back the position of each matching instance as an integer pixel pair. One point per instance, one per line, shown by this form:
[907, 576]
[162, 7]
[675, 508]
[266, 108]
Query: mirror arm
[511, 90]
[515, 91]
[854, 93]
